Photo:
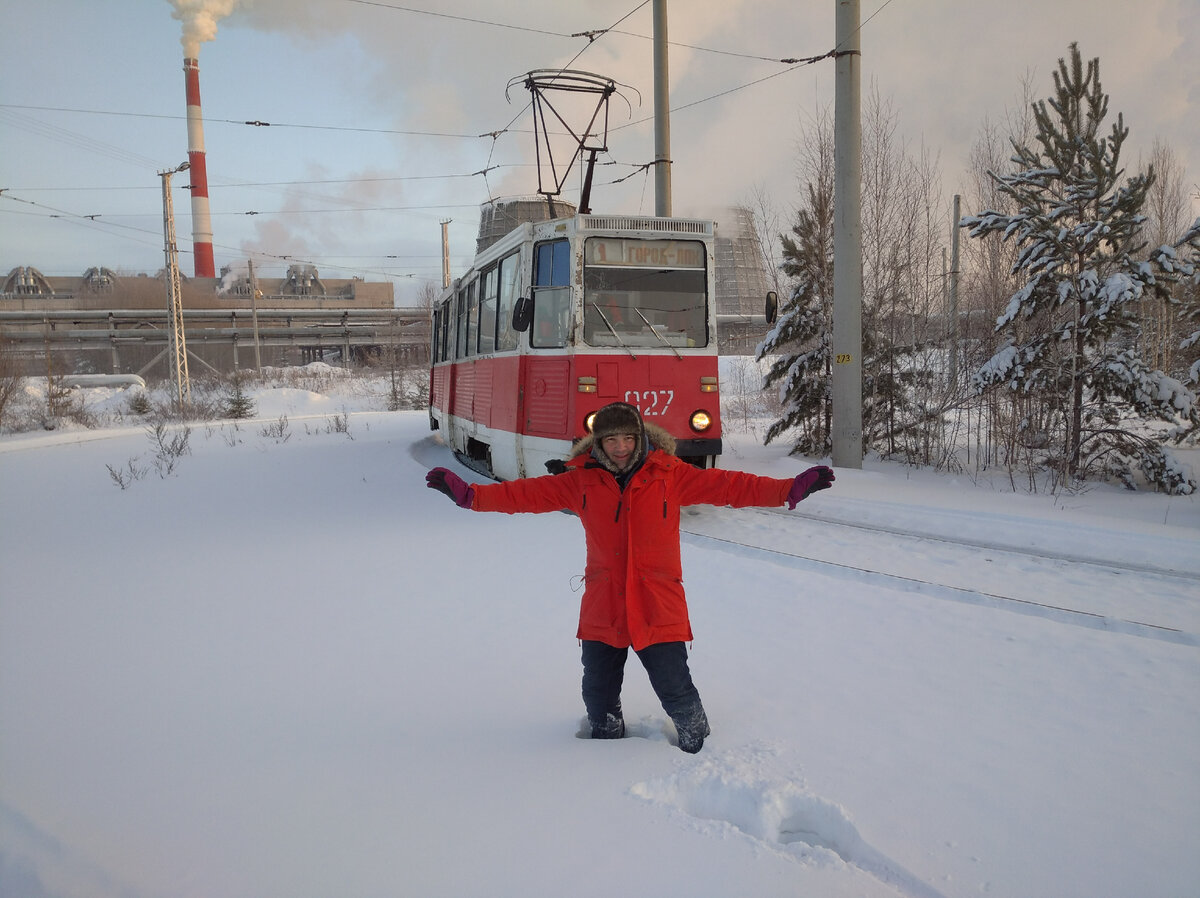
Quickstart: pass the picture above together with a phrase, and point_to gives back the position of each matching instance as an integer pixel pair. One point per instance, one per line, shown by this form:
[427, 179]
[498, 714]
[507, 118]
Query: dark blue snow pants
[666, 665]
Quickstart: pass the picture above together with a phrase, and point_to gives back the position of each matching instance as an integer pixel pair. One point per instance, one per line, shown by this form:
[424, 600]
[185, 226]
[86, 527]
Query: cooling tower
[498, 217]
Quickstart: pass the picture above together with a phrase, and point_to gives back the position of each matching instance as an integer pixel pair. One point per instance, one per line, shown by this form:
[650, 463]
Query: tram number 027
[651, 403]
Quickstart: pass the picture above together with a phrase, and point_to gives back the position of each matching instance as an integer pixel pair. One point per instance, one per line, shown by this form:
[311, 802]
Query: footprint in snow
[738, 789]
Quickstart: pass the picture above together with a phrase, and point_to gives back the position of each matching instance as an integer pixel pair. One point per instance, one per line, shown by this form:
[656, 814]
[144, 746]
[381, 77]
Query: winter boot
[692, 727]
[613, 727]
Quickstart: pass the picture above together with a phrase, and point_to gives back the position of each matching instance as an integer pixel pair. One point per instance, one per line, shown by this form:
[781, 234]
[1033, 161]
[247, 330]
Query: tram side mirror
[522, 314]
[772, 310]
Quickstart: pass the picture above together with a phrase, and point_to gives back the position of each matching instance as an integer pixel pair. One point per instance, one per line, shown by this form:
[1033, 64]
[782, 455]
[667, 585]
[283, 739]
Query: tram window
[551, 317]
[472, 318]
[487, 311]
[551, 295]
[453, 337]
[460, 348]
[630, 304]
[436, 342]
[553, 265]
[447, 329]
[506, 338]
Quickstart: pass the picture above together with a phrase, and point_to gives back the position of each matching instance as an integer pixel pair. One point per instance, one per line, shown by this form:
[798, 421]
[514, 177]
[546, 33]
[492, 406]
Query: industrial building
[110, 323]
[742, 283]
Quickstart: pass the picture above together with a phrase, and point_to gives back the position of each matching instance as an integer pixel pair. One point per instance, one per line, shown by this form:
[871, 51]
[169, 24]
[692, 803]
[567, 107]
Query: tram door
[458, 388]
[547, 400]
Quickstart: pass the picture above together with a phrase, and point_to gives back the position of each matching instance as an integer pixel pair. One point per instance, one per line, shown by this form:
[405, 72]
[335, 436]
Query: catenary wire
[592, 36]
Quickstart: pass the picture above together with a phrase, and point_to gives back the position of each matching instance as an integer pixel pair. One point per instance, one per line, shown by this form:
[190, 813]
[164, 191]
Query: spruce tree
[1189, 313]
[1071, 329]
[801, 339]
[237, 404]
[1189, 320]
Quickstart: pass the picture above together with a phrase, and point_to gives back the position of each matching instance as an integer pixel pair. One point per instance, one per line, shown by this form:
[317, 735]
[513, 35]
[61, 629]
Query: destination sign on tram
[644, 253]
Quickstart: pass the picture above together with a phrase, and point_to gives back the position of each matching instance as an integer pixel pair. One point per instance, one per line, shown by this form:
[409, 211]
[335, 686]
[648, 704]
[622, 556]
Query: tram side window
[551, 295]
[506, 338]
[487, 311]
[468, 321]
[447, 329]
[436, 342]
[472, 318]
[461, 334]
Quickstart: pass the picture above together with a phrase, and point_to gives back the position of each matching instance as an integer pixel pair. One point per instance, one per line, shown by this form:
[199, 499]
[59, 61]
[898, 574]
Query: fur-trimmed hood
[653, 437]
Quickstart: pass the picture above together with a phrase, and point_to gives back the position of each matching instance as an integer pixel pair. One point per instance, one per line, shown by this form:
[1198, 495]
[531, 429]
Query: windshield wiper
[661, 338]
[617, 336]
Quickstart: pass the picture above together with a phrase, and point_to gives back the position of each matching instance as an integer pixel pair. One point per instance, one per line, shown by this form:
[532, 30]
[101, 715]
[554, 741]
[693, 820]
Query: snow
[288, 669]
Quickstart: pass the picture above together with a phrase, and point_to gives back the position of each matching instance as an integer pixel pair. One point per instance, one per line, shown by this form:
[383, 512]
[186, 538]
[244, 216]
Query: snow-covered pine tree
[1189, 323]
[800, 341]
[1189, 312]
[1071, 329]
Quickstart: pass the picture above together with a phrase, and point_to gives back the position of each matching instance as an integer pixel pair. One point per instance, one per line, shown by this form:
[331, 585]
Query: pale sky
[377, 111]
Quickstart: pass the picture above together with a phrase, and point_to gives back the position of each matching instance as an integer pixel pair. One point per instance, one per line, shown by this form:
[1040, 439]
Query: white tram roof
[613, 224]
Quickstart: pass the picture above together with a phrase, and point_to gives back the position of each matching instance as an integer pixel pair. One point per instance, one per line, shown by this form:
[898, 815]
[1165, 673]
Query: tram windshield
[644, 293]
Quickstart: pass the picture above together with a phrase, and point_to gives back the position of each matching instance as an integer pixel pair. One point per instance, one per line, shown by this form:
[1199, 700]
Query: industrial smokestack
[202, 247]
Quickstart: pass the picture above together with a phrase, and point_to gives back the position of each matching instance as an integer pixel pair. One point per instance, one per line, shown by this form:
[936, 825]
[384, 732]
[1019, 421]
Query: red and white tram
[559, 318]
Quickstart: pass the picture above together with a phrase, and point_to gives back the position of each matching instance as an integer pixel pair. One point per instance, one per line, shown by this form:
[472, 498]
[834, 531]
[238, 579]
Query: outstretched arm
[532, 494]
[715, 486]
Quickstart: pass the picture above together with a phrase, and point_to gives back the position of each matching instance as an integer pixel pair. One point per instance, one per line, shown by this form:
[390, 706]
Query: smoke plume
[200, 19]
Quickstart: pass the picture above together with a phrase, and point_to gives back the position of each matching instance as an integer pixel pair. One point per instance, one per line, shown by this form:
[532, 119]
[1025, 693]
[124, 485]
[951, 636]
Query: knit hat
[617, 417]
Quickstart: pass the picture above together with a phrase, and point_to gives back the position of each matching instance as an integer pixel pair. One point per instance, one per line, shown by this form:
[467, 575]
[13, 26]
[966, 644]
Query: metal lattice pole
[178, 348]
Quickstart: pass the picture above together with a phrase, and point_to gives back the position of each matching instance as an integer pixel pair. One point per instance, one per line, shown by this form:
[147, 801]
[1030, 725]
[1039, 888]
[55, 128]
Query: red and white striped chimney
[202, 247]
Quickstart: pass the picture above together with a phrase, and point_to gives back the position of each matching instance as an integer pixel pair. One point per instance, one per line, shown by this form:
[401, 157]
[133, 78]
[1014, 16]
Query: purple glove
[818, 478]
[452, 485]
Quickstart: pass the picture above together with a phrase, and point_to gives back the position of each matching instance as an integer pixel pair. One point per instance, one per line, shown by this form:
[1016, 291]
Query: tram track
[971, 595]
[1070, 557]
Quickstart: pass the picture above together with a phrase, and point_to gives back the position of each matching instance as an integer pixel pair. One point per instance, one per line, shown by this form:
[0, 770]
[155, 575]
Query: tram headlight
[588, 421]
[701, 421]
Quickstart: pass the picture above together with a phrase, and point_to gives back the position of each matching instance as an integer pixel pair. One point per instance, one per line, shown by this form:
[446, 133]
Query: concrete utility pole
[254, 294]
[847, 241]
[178, 344]
[445, 253]
[662, 114]
[954, 271]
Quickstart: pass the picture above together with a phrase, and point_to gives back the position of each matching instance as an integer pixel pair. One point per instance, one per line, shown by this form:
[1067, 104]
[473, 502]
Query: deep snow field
[286, 669]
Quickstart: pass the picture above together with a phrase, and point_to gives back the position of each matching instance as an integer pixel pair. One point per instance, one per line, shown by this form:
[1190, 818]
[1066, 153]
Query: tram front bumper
[692, 448]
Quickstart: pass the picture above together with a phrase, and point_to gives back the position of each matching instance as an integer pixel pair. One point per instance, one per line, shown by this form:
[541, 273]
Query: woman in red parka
[626, 485]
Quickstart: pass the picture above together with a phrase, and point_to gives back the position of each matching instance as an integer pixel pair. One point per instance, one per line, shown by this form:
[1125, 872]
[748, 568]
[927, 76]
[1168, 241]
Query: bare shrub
[169, 448]
[10, 376]
[339, 424]
[277, 430]
[127, 476]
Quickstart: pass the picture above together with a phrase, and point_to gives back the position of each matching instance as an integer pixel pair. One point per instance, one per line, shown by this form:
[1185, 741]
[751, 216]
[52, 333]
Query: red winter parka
[633, 591]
